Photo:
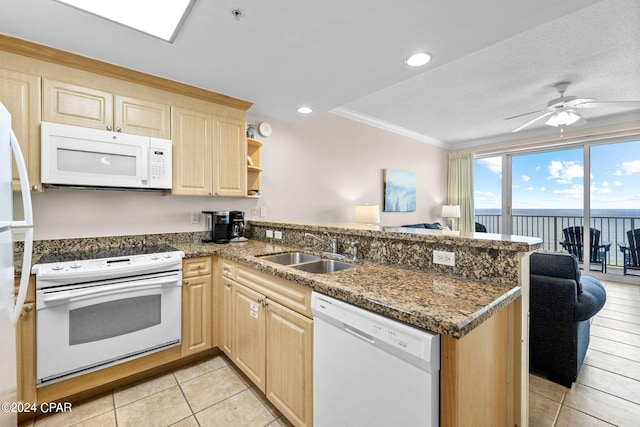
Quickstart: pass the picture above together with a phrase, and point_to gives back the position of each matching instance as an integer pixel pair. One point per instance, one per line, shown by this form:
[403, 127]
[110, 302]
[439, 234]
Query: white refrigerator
[10, 231]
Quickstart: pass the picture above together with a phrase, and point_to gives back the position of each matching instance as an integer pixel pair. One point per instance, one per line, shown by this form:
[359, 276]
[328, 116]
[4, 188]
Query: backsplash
[477, 257]
[483, 257]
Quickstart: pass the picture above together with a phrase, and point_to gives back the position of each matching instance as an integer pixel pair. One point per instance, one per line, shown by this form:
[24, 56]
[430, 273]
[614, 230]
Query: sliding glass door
[614, 202]
[583, 200]
[547, 195]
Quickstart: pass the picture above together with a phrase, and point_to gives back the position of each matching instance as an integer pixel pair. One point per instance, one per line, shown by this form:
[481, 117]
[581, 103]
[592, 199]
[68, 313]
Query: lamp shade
[368, 214]
[451, 211]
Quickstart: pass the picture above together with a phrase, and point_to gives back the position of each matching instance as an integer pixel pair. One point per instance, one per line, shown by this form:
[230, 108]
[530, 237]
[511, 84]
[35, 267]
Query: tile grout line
[173, 373]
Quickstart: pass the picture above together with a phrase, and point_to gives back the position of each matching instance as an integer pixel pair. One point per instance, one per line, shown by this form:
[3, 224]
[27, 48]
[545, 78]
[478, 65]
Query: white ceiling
[491, 59]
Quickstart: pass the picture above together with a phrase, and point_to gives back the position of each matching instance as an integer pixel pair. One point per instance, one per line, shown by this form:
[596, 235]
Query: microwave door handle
[144, 166]
[107, 290]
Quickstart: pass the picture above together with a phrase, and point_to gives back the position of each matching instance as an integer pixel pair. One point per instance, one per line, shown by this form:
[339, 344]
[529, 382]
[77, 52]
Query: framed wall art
[399, 191]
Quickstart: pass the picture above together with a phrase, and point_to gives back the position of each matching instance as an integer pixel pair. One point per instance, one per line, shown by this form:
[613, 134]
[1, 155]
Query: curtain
[460, 189]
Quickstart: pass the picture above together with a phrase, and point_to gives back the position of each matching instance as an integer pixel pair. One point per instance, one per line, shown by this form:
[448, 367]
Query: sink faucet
[332, 243]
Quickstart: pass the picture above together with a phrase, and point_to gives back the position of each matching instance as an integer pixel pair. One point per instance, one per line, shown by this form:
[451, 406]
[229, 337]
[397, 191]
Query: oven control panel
[96, 269]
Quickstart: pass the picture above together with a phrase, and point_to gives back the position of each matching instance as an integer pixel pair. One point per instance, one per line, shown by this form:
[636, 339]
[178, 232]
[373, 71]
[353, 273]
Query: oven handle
[108, 290]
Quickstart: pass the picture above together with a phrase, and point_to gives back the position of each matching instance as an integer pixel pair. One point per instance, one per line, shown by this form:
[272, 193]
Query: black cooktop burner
[99, 253]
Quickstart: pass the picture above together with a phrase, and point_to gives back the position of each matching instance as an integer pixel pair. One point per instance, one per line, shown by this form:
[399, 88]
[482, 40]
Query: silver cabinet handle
[118, 129]
[34, 187]
[28, 308]
[109, 127]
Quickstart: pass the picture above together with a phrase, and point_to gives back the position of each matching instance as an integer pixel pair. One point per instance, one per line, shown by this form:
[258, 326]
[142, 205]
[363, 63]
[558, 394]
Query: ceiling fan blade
[526, 114]
[548, 113]
[579, 101]
[610, 104]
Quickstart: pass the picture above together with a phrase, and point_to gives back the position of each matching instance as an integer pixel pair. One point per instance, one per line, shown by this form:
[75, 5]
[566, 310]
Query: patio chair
[631, 251]
[573, 243]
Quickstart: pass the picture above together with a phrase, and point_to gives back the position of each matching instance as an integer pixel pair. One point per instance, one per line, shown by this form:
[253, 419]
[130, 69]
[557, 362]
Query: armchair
[562, 302]
[573, 243]
[631, 251]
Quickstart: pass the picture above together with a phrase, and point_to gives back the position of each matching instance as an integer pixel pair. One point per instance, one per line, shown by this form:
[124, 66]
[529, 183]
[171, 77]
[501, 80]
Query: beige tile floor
[211, 392]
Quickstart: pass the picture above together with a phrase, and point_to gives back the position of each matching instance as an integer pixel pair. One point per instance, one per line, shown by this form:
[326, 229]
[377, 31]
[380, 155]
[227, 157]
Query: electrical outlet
[444, 258]
[270, 234]
[195, 218]
[278, 235]
[263, 212]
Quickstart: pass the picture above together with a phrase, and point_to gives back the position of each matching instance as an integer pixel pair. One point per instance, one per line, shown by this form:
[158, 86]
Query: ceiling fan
[563, 111]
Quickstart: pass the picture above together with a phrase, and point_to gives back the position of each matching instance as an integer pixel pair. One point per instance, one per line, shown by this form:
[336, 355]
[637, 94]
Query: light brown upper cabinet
[209, 154]
[20, 93]
[100, 109]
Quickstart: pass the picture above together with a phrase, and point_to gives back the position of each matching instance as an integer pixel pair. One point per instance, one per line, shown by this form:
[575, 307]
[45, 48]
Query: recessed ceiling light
[418, 59]
[160, 19]
[305, 110]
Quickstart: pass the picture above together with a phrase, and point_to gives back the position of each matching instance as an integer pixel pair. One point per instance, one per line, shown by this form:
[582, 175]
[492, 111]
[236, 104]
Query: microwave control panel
[160, 163]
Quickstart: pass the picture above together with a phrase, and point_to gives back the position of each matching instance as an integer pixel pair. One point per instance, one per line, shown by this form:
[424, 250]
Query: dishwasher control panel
[375, 328]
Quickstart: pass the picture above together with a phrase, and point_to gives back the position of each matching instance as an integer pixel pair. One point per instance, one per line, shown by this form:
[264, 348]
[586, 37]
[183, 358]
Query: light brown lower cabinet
[269, 340]
[197, 305]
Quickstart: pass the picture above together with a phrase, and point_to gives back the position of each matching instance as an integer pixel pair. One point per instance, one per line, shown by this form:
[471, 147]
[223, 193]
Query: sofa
[434, 226]
[562, 303]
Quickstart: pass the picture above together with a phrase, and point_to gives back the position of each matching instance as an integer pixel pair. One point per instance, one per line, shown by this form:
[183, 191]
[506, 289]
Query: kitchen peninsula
[477, 305]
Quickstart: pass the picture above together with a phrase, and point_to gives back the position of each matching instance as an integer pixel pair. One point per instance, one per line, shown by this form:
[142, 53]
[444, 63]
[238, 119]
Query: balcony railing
[549, 228]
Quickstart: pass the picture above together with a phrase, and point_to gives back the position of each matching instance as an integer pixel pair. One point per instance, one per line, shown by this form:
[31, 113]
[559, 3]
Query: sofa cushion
[591, 300]
[554, 264]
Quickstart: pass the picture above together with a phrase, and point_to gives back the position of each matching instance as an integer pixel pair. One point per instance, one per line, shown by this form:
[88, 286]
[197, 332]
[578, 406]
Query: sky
[555, 180]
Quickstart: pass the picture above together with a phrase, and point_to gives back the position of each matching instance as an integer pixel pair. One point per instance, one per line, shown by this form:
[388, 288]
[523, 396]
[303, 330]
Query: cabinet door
[227, 315]
[249, 336]
[76, 105]
[230, 158]
[142, 117]
[20, 93]
[289, 363]
[196, 315]
[192, 135]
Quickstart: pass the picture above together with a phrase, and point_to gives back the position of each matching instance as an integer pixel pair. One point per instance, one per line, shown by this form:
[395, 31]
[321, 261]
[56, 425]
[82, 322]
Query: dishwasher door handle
[358, 333]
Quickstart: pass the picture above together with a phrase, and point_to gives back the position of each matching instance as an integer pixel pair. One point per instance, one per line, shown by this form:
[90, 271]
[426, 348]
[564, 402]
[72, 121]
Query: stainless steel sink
[290, 258]
[324, 266]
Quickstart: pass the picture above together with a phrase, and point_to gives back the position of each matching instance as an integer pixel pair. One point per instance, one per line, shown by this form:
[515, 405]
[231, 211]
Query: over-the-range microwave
[82, 157]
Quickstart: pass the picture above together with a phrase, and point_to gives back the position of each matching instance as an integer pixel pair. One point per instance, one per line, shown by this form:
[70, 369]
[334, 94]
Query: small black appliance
[218, 231]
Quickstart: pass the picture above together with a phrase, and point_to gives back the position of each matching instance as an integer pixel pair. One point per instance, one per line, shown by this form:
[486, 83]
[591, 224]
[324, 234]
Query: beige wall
[316, 170]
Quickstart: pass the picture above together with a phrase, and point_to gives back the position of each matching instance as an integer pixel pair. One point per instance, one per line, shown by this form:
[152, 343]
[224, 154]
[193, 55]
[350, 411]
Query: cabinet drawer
[228, 269]
[289, 294]
[196, 267]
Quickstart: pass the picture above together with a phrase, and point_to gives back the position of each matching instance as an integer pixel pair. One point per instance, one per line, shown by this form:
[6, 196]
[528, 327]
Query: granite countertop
[438, 303]
[441, 304]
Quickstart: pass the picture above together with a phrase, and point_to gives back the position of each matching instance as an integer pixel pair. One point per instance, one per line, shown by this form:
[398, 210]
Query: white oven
[96, 313]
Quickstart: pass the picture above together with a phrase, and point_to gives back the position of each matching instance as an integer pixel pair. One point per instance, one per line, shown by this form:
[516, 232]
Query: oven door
[90, 326]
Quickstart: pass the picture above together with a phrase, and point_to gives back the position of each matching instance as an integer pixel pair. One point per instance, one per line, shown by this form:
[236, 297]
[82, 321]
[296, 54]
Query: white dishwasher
[369, 370]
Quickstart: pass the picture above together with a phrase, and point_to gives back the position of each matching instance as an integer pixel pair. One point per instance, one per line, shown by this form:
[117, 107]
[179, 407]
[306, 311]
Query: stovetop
[100, 253]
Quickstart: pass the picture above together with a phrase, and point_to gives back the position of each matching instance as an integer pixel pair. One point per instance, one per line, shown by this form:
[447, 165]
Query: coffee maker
[236, 226]
[219, 226]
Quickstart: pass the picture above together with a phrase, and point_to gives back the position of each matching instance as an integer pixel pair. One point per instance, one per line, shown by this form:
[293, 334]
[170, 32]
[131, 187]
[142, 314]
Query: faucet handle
[354, 249]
